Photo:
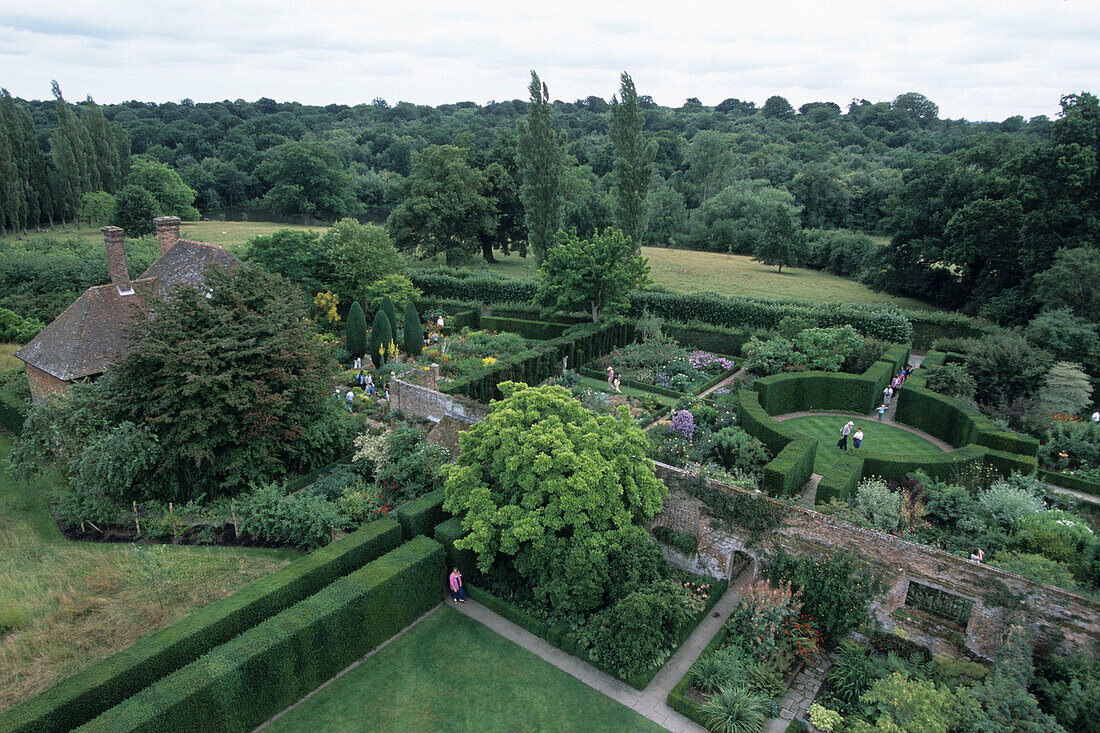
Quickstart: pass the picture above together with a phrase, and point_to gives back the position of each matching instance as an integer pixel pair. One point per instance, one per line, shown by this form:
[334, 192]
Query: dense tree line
[976, 209]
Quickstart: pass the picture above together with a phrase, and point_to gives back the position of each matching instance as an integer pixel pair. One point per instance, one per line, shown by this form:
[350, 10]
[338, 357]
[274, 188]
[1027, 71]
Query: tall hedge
[77, 699]
[244, 682]
[356, 330]
[790, 469]
[380, 336]
[414, 331]
[841, 479]
[815, 391]
[420, 516]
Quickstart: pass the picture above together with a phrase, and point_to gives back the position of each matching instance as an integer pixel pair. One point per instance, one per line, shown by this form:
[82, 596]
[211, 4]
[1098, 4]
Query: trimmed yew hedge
[420, 516]
[957, 423]
[1067, 481]
[1007, 462]
[762, 426]
[465, 560]
[790, 469]
[841, 479]
[77, 699]
[815, 391]
[928, 326]
[245, 681]
[704, 336]
[539, 330]
[898, 355]
[895, 468]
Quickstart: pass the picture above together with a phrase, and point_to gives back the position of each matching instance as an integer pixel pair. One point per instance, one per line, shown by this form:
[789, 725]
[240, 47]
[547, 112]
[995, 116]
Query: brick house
[90, 335]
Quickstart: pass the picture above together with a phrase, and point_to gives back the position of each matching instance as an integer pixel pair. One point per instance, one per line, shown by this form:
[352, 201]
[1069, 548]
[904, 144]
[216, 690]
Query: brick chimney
[116, 259]
[168, 231]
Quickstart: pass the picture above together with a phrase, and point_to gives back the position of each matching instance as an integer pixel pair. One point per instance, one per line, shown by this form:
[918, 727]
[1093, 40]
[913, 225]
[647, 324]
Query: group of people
[434, 330]
[613, 380]
[857, 437]
[891, 389]
[366, 383]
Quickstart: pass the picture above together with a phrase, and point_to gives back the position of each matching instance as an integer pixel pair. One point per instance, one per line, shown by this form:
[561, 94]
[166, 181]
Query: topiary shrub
[381, 335]
[638, 631]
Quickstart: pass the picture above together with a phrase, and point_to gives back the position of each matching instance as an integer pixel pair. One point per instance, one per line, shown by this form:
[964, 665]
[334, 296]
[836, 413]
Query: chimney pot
[116, 258]
[168, 231]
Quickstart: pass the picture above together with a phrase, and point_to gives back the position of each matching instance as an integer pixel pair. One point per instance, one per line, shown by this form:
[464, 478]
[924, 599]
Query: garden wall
[416, 401]
[1066, 621]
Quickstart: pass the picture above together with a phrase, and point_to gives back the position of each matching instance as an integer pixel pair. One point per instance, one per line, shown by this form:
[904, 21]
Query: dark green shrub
[816, 391]
[790, 469]
[272, 665]
[835, 591]
[682, 542]
[465, 560]
[356, 330]
[304, 519]
[539, 330]
[636, 633]
[414, 331]
[841, 479]
[77, 699]
[733, 448]
[420, 516]
[381, 334]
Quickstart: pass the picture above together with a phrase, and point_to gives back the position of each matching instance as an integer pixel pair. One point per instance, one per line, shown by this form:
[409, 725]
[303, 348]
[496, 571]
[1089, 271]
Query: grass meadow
[451, 673]
[65, 605]
[7, 361]
[878, 437]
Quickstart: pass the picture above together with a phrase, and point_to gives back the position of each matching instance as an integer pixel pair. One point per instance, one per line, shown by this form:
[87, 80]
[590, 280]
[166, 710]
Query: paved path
[801, 693]
[724, 383]
[1078, 495]
[649, 702]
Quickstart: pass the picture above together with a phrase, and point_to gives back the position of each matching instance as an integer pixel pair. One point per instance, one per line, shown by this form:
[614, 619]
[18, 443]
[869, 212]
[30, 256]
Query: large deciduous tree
[230, 379]
[306, 179]
[446, 209]
[633, 161]
[782, 243]
[356, 255]
[540, 153]
[173, 196]
[593, 275]
[541, 467]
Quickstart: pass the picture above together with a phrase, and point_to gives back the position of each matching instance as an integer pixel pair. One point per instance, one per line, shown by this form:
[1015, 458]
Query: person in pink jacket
[458, 593]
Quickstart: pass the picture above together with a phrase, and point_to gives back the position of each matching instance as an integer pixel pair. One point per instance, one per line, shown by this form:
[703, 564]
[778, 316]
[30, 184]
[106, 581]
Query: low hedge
[628, 382]
[540, 330]
[677, 697]
[841, 479]
[420, 516]
[77, 699]
[465, 560]
[714, 381]
[895, 468]
[1067, 481]
[244, 682]
[790, 469]
[527, 311]
[929, 326]
[752, 417]
[1005, 462]
[704, 336]
[815, 391]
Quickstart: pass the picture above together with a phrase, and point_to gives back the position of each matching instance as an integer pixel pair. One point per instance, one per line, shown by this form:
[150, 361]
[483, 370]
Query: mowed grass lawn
[451, 673]
[601, 386]
[66, 605]
[7, 361]
[877, 438]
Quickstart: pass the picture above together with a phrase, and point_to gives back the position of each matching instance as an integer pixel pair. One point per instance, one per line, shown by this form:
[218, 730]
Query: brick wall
[418, 401]
[43, 384]
[1066, 621]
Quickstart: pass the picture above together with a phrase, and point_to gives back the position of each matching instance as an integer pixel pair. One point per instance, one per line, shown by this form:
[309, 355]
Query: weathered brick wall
[43, 384]
[419, 401]
[1065, 620]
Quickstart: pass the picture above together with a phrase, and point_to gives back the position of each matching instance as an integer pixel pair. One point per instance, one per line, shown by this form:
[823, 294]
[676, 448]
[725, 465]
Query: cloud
[980, 61]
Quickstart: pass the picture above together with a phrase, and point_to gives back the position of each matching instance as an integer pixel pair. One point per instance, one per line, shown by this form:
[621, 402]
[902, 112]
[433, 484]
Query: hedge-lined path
[1078, 495]
[724, 383]
[650, 702]
[873, 417]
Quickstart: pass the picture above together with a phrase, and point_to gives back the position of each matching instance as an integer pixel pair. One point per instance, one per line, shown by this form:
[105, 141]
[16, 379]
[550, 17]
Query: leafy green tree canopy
[173, 196]
[134, 211]
[542, 465]
[356, 255]
[306, 180]
[593, 275]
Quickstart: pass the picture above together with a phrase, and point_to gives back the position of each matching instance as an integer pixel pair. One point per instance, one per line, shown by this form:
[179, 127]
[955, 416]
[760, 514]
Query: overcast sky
[980, 60]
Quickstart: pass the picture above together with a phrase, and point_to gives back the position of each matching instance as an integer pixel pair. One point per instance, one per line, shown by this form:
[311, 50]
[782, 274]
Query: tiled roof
[90, 334]
[186, 262]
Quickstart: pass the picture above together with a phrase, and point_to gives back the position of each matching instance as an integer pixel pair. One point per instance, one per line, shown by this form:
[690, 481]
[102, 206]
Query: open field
[689, 271]
[7, 361]
[450, 673]
[65, 605]
[678, 269]
[877, 437]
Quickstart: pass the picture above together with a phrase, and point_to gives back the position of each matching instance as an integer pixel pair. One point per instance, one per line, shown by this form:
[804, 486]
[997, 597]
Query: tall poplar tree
[67, 146]
[633, 161]
[540, 155]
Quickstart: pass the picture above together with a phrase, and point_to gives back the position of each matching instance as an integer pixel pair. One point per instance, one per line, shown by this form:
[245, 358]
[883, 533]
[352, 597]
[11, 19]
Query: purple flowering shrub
[683, 422]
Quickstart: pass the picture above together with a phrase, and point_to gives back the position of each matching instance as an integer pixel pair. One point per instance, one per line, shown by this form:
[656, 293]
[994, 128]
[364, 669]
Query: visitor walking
[458, 593]
[887, 394]
[857, 438]
[439, 323]
[881, 412]
[610, 378]
[1096, 416]
[617, 381]
[844, 432]
[350, 397]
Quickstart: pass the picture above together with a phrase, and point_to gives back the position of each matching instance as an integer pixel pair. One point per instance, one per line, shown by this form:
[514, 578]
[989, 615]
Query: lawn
[229, 234]
[7, 361]
[600, 385]
[877, 437]
[450, 673]
[65, 605]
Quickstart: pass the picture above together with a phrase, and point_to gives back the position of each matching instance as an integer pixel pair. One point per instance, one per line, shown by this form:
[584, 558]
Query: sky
[979, 60]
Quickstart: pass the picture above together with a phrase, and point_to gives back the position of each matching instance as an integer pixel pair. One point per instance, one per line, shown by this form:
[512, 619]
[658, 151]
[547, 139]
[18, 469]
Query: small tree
[783, 243]
[387, 307]
[590, 274]
[1066, 390]
[380, 337]
[134, 211]
[357, 330]
[414, 342]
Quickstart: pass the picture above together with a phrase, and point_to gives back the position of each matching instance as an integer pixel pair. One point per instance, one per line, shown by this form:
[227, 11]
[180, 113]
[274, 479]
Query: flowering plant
[683, 422]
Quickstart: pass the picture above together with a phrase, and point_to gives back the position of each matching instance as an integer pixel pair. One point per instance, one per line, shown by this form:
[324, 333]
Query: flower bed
[661, 362]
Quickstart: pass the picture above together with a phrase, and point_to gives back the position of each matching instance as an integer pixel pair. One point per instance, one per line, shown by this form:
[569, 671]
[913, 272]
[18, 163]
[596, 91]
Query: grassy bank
[65, 605]
[451, 673]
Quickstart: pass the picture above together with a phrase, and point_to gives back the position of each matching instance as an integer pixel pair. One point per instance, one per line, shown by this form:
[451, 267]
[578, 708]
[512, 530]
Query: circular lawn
[878, 437]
